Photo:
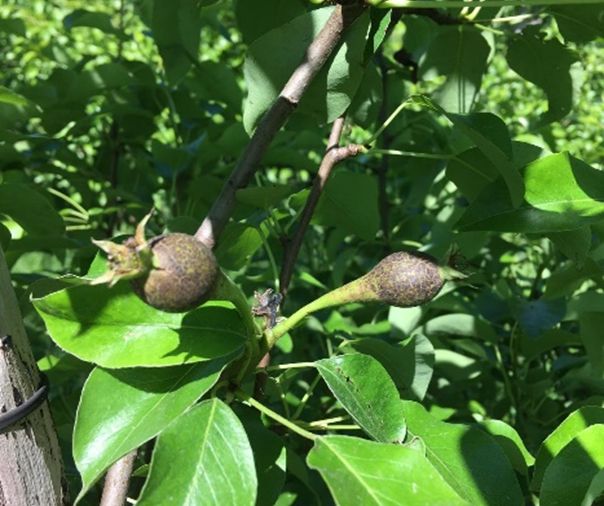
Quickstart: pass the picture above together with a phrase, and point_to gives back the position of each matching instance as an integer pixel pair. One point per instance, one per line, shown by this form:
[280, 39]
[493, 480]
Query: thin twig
[333, 156]
[117, 481]
[318, 52]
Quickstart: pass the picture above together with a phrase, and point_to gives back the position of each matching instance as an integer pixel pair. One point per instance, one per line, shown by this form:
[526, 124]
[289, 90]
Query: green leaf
[549, 65]
[574, 424]
[10, 97]
[491, 137]
[592, 324]
[203, 458]
[459, 324]
[562, 193]
[263, 197]
[510, 442]
[176, 26]
[468, 459]
[367, 473]
[30, 209]
[409, 364]
[120, 410]
[113, 328]
[83, 17]
[237, 245]
[365, 390]
[595, 490]
[472, 171]
[330, 93]
[459, 53]
[269, 455]
[537, 316]
[579, 23]
[349, 201]
[570, 474]
[574, 244]
[256, 18]
[13, 26]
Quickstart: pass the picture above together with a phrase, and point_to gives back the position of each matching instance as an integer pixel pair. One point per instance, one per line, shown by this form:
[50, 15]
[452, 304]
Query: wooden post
[31, 468]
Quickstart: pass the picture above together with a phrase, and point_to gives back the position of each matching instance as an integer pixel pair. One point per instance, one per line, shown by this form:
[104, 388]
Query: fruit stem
[355, 291]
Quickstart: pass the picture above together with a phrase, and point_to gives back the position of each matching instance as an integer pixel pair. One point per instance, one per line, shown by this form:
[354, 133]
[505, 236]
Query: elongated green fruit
[403, 279]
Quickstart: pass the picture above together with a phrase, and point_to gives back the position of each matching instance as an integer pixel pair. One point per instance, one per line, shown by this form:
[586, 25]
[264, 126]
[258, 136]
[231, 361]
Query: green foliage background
[108, 110]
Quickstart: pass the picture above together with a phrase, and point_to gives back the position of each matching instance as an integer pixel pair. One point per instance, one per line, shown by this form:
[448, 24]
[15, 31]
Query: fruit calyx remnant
[172, 272]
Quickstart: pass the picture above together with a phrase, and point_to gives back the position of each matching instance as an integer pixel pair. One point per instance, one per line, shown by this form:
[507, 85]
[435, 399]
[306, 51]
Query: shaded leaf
[203, 458]
[365, 390]
[332, 90]
[468, 459]
[570, 474]
[549, 65]
[349, 201]
[369, 473]
[537, 316]
[592, 324]
[579, 23]
[459, 53]
[510, 442]
[574, 424]
[30, 210]
[574, 244]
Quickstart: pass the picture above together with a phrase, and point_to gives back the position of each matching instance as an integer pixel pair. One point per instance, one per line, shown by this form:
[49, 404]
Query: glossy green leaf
[511, 443]
[203, 458]
[562, 193]
[367, 392]
[569, 476]
[113, 328]
[367, 473]
[468, 459]
[549, 65]
[30, 209]
[120, 410]
[579, 23]
[267, 71]
[459, 53]
[574, 424]
[592, 324]
[409, 364]
[349, 201]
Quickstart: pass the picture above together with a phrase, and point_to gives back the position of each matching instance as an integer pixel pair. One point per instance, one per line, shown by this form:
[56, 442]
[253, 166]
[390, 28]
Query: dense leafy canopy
[491, 394]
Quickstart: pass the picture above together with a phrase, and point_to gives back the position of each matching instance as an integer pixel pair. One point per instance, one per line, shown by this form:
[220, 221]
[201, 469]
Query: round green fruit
[182, 275]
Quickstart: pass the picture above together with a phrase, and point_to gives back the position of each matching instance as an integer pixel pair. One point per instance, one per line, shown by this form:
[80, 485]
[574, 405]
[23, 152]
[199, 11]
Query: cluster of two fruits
[175, 272]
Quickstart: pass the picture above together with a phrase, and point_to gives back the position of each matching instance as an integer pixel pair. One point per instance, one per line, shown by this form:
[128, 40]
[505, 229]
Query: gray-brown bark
[31, 469]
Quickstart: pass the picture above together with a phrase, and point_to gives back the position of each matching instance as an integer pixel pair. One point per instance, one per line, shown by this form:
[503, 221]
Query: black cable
[20, 412]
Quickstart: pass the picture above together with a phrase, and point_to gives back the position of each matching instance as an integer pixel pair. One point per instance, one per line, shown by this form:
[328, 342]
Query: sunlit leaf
[203, 458]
